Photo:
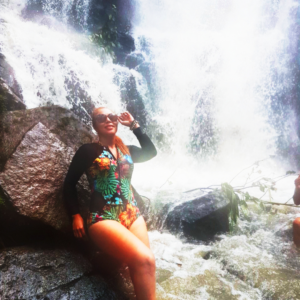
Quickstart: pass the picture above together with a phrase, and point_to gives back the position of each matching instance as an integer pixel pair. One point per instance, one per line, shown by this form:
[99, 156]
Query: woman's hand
[78, 227]
[126, 119]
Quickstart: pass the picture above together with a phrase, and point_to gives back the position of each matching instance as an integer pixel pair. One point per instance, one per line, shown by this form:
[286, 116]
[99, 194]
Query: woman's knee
[145, 260]
[296, 224]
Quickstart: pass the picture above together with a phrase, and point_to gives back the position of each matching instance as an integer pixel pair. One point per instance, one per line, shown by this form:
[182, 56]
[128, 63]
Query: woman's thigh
[139, 229]
[114, 239]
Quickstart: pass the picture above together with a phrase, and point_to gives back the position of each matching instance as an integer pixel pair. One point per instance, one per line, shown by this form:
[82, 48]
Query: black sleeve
[147, 151]
[82, 159]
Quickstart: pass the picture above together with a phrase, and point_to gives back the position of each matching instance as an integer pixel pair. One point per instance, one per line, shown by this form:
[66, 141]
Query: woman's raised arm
[147, 150]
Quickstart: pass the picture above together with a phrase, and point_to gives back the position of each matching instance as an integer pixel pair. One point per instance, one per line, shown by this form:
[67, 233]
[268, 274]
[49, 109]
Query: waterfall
[206, 77]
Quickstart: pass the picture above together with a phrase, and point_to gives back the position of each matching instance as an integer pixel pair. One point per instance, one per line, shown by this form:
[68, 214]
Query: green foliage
[290, 172]
[125, 187]
[238, 199]
[107, 36]
[234, 203]
[107, 184]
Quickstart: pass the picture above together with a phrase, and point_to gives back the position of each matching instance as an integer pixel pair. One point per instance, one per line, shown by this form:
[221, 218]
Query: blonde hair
[118, 141]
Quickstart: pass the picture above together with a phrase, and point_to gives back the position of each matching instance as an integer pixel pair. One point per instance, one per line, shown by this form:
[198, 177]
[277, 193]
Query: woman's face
[107, 127]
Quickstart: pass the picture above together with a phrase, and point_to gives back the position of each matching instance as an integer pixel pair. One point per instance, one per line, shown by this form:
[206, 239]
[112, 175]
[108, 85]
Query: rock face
[39, 144]
[58, 120]
[200, 218]
[34, 175]
[28, 273]
[10, 101]
[8, 75]
[10, 91]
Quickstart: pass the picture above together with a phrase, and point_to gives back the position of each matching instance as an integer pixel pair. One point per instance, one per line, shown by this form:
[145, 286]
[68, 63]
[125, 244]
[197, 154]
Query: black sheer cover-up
[109, 177]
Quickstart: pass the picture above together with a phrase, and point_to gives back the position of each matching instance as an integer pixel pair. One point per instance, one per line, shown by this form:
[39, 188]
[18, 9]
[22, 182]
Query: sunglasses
[102, 118]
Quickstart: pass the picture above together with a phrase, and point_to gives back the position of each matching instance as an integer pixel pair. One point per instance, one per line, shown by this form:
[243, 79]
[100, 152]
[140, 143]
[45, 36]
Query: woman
[296, 223]
[114, 223]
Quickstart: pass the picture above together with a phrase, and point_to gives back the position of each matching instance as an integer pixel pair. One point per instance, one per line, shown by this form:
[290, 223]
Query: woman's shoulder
[88, 148]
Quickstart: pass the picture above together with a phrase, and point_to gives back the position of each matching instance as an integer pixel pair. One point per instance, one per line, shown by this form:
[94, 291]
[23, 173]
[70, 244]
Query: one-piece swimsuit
[109, 179]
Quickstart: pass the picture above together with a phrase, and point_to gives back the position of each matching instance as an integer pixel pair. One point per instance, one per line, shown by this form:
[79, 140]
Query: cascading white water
[211, 68]
[213, 63]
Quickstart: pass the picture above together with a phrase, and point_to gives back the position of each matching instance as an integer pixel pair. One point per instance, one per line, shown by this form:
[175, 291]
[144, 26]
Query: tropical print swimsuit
[109, 178]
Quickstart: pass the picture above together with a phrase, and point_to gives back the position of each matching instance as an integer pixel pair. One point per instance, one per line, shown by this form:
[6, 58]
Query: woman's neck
[107, 141]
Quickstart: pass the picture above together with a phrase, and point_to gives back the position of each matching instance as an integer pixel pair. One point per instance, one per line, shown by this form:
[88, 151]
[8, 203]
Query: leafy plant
[107, 36]
[237, 202]
[239, 197]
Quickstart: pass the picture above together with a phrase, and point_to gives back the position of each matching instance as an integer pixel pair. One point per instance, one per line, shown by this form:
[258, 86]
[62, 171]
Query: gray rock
[7, 74]
[28, 273]
[133, 60]
[33, 178]
[9, 100]
[69, 129]
[200, 218]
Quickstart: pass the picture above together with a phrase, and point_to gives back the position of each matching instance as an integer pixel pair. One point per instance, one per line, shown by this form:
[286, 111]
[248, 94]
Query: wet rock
[33, 178]
[60, 121]
[131, 97]
[127, 46]
[8, 99]
[17, 230]
[10, 91]
[200, 218]
[80, 101]
[133, 60]
[27, 273]
[7, 74]
[147, 69]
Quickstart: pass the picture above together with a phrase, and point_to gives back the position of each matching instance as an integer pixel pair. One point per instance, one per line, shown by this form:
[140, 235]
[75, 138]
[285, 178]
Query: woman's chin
[109, 132]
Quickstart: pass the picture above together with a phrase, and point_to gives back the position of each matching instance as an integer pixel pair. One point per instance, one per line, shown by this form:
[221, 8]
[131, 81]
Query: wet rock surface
[200, 218]
[7, 74]
[11, 97]
[33, 178]
[9, 100]
[28, 273]
[60, 121]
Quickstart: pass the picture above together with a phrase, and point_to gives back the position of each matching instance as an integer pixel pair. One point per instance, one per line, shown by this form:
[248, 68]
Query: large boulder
[29, 273]
[200, 218]
[33, 178]
[60, 121]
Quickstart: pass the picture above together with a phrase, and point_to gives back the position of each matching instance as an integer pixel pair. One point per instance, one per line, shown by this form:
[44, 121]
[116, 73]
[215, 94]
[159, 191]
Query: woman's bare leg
[296, 232]
[139, 229]
[114, 239]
